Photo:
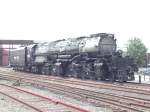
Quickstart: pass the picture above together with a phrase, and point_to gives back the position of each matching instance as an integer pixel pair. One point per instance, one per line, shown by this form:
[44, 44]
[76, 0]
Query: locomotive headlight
[28, 56]
[98, 64]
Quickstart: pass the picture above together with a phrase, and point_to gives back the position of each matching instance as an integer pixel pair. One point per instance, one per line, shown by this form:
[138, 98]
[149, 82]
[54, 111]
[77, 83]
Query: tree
[137, 50]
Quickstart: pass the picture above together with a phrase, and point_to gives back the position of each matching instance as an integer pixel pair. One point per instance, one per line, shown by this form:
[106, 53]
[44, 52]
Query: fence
[142, 76]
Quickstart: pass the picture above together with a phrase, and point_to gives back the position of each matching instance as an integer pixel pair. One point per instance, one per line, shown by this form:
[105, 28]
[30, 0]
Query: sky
[57, 19]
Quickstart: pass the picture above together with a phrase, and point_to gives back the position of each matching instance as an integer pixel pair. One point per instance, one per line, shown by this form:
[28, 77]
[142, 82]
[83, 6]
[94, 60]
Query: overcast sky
[55, 19]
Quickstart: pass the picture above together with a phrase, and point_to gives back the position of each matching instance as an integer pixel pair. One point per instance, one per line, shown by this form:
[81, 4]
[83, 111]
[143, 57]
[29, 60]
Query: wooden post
[139, 78]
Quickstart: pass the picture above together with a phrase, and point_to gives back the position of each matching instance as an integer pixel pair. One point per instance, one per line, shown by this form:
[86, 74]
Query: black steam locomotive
[94, 57]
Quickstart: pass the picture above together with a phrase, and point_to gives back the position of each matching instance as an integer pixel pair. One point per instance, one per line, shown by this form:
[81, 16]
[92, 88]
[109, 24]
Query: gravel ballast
[8, 105]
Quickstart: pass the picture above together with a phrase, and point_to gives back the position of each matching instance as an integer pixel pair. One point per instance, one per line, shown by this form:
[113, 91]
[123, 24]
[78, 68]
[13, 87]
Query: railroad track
[124, 103]
[136, 85]
[98, 85]
[132, 85]
[37, 102]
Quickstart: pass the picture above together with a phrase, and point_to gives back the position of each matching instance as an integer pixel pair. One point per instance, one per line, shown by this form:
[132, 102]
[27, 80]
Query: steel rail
[38, 110]
[84, 93]
[130, 85]
[89, 81]
[55, 84]
[48, 99]
[100, 85]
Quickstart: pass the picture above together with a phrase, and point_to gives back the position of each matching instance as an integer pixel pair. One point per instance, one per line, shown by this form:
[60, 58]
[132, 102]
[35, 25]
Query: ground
[9, 105]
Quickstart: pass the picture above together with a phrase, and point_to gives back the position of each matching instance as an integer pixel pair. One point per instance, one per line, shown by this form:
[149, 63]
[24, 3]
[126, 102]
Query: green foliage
[137, 50]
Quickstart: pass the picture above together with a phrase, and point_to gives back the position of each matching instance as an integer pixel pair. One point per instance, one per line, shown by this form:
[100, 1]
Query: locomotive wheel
[43, 71]
[112, 78]
[83, 77]
[92, 78]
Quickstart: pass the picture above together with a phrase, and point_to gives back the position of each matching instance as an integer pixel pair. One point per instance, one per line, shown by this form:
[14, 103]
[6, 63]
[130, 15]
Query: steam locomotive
[93, 57]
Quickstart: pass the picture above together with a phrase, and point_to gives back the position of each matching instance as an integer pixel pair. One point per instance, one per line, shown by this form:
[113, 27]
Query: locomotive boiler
[93, 57]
